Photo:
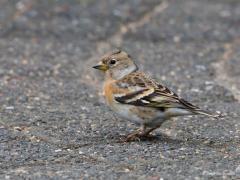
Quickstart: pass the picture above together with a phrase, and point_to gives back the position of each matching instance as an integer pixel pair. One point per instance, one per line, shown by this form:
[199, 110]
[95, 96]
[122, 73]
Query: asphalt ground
[54, 123]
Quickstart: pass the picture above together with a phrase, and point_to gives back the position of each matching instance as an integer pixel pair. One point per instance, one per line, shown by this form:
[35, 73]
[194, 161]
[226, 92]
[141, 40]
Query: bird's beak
[101, 66]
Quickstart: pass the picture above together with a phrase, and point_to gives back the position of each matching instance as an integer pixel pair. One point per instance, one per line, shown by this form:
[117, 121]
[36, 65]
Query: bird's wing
[141, 90]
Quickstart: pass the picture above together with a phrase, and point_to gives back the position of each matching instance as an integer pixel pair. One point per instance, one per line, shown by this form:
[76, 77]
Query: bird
[136, 97]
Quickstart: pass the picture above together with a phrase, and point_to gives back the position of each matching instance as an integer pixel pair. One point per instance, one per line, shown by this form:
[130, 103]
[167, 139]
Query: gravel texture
[53, 121]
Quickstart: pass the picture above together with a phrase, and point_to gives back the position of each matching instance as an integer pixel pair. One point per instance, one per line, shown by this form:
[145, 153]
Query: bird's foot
[138, 136]
[133, 137]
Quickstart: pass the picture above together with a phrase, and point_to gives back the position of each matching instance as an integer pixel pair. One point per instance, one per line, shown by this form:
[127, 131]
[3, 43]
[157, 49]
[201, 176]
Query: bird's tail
[197, 110]
[207, 113]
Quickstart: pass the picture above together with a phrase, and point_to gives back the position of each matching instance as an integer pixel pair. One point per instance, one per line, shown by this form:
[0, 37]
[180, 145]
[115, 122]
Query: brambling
[138, 98]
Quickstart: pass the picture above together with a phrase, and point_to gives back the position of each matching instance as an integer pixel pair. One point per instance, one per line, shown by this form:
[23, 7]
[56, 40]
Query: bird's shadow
[159, 138]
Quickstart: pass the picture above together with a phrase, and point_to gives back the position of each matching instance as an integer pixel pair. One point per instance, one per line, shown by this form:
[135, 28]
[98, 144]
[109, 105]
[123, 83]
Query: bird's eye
[112, 61]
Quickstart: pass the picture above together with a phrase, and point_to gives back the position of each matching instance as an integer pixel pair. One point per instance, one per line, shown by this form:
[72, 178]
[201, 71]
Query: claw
[133, 137]
[138, 137]
[140, 134]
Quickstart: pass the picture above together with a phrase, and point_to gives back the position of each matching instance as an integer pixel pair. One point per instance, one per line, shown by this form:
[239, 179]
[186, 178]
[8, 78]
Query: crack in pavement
[116, 40]
[222, 77]
[133, 26]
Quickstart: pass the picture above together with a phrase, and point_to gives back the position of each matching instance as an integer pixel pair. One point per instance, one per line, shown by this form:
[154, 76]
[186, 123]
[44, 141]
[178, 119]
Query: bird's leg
[142, 132]
[146, 133]
[136, 134]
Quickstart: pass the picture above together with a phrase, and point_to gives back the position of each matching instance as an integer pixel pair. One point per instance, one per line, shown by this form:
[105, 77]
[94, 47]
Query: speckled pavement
[53, 120]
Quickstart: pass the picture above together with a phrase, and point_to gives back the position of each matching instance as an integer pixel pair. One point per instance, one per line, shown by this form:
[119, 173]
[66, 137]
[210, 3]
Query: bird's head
[116, 64]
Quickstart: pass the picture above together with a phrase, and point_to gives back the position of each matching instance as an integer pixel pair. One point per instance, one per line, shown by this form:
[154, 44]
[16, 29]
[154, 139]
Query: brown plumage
[138, 98]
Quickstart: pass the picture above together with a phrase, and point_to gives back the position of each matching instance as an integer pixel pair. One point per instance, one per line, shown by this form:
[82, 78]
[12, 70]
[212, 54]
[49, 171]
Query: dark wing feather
[149, 93]
[130, 98]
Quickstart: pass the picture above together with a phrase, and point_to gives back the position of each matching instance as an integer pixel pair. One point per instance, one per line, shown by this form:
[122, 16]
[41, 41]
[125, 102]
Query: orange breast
[109, 90]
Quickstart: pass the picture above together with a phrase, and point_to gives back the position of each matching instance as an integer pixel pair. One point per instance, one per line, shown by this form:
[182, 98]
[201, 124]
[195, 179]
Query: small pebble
[9, 108]
[58, 150]
[80, 152]
[237, 170]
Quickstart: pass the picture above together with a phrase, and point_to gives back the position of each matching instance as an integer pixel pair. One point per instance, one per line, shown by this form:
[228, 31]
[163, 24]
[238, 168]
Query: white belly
[124, 112]
[152, 120]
